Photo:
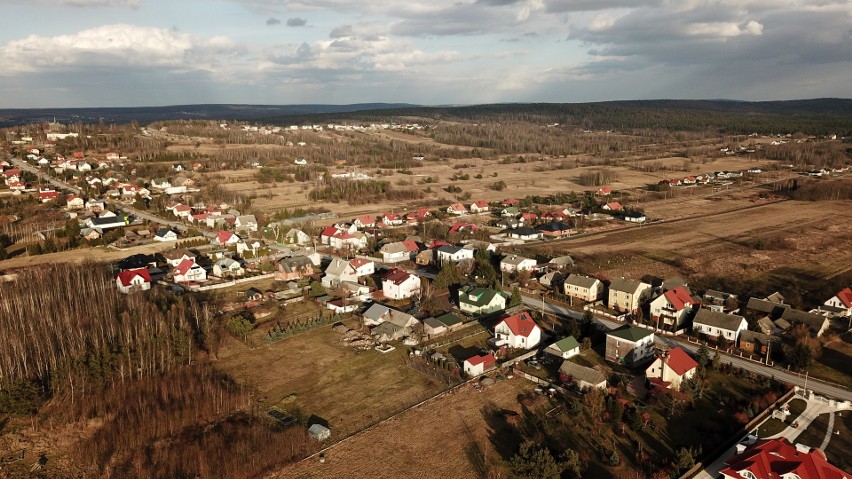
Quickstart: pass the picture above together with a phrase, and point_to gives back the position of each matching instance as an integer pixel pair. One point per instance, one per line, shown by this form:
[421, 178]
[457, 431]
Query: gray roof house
[583, 377]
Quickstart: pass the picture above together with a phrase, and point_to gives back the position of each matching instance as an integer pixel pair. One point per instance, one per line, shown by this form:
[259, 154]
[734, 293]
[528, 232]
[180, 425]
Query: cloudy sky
[155, 52]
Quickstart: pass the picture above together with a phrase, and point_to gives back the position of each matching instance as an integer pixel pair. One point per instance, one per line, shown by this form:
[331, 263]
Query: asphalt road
[817, 386]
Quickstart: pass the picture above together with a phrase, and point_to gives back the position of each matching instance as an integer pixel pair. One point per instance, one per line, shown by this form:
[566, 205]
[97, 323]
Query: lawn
[314, 373]
[468, 346]
[773, 426]
[840, 443]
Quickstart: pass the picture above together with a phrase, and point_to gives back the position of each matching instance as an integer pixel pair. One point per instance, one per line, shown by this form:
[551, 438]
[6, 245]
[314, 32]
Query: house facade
[584, 288]
[714, 324]
[478, 301]
[513, 263]
[518, 331]
[670, 309]
[133, 280]
[294, 267]
[565, 348]
[479, 364]
[671, 368]
[400, 284]
[625, 295]
[629, 345]
[840, 303]
[188, 271]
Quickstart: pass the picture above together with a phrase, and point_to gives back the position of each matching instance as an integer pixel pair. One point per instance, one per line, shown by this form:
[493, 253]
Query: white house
[400, 284]
[453, 254]
[584, 288]
[342, 271]
[629, 344]
[457, 209]
[840, 303]
[188, 271]
[565, 348]
[480, 300]
[478, 364]
[226, 238]
[518, 331]
[365, 221]
[479, 207]
[165, 234]
[299, 237]
[399, 251]
[74, 202]
[246, 222]
[132, 280]
[671, 368]
[713, 324]
[227, 267]
[670, 309]
[512, 263]
[177, 256]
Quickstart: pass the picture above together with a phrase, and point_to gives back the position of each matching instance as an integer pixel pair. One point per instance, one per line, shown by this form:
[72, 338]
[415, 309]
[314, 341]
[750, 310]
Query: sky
[101, 53]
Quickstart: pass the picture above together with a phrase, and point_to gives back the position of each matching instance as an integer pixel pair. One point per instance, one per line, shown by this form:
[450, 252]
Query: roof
[397, 276]
[358, 262]
[754, 336]
[523, 231]
[813, 321]
[582, 373]
[330, 231]
[580, 280]
[481, 296]
[715, 319]
[177, 253]
[515, 259]
[379, 312]
[449, 249]
[126, 277]
[555, 226]
[481, 204]
[845, 297]
[630, 333]
[626, 285]
[679, 361]
[678, 297]
[223, 236]
[566, 344]
[295, 263]
[184, 266]
[780, 458]
[520, 324]
[481, 359]
[763, 305]
[448, 319]
[366, 219]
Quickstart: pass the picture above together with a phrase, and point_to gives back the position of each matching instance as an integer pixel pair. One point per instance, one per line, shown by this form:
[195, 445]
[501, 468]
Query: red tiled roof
[330, 231]
[520, 324]
[410, 245]
[510, 202]
[458, 207]
[12, 172]
[438, 243]
[614, 206]
[460, 226]
[397, 276]
[777, 457]
[845, 297]
[127, 276]
[358, 262]
[223, 236]
[678, 297]
[481, 204]
[366, 219]
[487, 359]
[184, 266]
[679, 361]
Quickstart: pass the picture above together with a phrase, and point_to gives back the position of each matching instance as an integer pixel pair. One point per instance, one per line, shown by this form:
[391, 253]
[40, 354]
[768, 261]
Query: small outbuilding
[319, 432]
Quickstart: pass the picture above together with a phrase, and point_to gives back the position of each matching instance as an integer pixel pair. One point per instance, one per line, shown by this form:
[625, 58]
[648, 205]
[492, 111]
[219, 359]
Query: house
[480, 207]
[714, 324]
[457, 209]
[565, 348]
[479, 364]
[758, 343]
[299, 237]
[344, 240]
[319, 432]
[584, 288]
[418, 216]
[74, 202]
[720, 301]
[510, 202]
[442, 324]
[839, 304]
[552, 279]
[629, 345]
[388, 324]
[392, 219]
[475, 300]
[399, 251]
[769, 308]
[778, 458]
[106, 222]
[183, 181]
[342, 306]
[365, 221]
[47, 195]
[556, 229]
[227, 267]
[453, 254]
[625, 294]
[425, 257]
[528, 218]
[513, 263]
[132, 280]
[294, 267]
[584, 378]
[188, 271]
[508, 223]
[161, 183]
[603, 191]
[613, 206]
[400, 284]
[226, 238]
[246, 222]
[562, 262]
[524, 233]
[635, 217]
[95, 205]
[342, 271]
[817, 324]
[165, 234]
[510, 212]
[462, 227]
[671, 308]
[175, 257]
[671, 368]
[518, 331]
[480, 245]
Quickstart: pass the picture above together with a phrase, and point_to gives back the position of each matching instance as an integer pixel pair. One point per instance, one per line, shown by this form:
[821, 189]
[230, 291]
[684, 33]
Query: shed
[319, 432]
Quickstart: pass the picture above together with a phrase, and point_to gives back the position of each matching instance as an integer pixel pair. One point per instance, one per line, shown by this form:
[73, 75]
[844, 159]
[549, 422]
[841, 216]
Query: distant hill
[11, 117]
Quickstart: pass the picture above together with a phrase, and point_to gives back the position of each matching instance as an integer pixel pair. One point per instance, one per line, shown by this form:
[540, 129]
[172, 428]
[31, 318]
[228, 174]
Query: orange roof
[777, 457]
[845, 296]
[487, 359]
[678, 297]
[520, 324]
[127, 276]
[679, 361]
[184, 266]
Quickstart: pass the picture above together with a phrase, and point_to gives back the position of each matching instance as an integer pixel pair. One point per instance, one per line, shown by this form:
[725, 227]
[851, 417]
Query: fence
[511, 362]
[233, 282]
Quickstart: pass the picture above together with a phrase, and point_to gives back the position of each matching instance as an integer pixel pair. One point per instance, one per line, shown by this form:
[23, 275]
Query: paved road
[823, 389]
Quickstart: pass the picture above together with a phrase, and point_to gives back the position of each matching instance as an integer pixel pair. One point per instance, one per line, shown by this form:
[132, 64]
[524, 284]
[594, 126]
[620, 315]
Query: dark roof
[624, 285]
[813, 321]
[448, 319]
[765, 306]
[630, 333]
[582, 373]
[136, 261]
[107, 221]
[449, 249]
[718, 320]
[554, 227]
[580, 280]
[523, 231]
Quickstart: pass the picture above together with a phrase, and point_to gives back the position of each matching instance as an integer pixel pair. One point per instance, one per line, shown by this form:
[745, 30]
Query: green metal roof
[567, 344]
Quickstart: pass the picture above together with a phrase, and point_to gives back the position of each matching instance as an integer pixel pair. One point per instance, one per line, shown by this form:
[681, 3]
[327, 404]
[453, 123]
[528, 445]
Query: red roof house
[518, 331]
[777, 458]
[671, 368]
[479, 364]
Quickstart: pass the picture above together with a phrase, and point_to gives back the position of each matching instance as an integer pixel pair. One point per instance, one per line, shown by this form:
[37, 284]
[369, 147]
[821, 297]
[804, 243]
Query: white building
[518, 331]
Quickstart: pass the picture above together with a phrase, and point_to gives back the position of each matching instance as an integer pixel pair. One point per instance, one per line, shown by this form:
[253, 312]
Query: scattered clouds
[273, 21]
[296, 22]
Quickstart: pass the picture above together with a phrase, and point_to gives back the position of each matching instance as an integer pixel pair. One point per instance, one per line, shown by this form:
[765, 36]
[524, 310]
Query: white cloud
[601, 23]
[115, 46]
[753, 27]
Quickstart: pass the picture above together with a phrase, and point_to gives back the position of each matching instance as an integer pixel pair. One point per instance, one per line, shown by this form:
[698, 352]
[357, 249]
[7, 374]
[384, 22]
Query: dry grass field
[316, 374]
[436, 440]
